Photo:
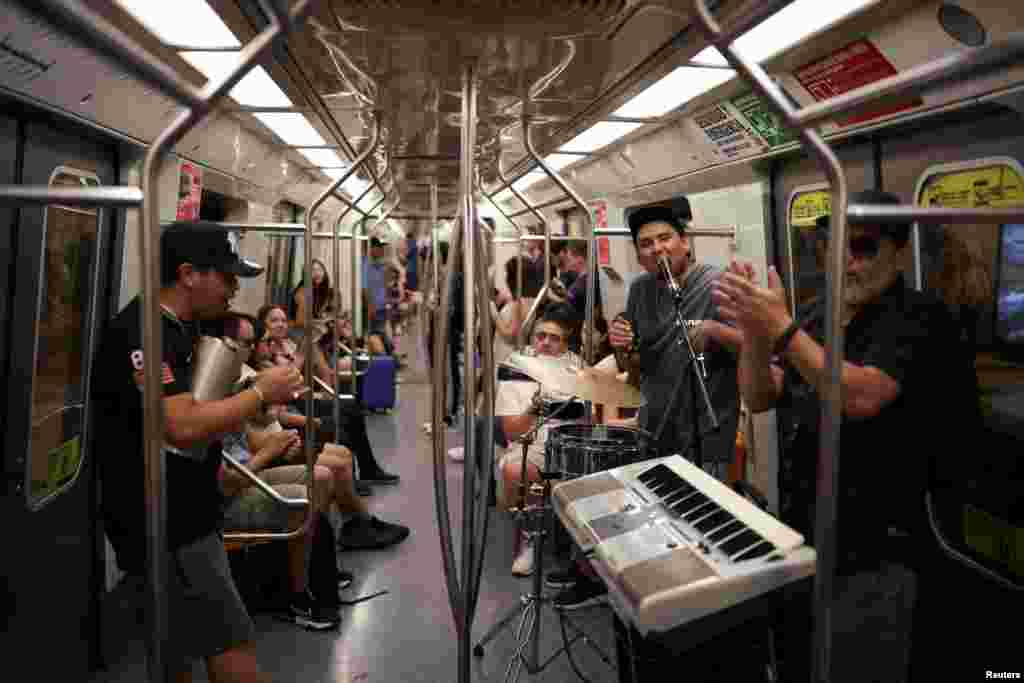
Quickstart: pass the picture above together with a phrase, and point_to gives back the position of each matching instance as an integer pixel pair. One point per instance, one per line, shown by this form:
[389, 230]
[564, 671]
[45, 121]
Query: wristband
[263, 399]
[785, 338]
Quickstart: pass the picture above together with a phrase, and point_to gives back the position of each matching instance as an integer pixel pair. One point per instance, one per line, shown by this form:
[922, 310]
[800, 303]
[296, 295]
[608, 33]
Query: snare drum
[575, 450]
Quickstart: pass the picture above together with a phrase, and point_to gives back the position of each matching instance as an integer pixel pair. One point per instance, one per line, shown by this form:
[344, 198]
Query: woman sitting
[323, 297]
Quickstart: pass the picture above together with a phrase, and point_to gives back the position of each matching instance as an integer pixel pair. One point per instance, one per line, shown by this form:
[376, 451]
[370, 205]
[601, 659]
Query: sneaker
[380, 477]
[306, 613]
[523, 564]
[458, 454]
[584, 593]
[362, 488]
[345, 579]
[562, 578]
[370, 533]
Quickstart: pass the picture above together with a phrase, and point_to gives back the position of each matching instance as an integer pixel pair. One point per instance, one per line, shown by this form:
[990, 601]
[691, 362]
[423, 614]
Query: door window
[65, 295]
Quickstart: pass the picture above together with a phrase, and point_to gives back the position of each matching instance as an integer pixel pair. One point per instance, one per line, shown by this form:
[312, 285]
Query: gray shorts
[253, 510]
[205, 613]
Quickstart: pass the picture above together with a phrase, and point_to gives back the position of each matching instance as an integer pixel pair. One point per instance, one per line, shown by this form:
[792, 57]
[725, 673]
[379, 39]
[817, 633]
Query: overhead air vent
[530, 17]
[18, 68]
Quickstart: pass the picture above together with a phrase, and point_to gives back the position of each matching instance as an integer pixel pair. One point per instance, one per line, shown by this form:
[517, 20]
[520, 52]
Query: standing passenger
[206, 618]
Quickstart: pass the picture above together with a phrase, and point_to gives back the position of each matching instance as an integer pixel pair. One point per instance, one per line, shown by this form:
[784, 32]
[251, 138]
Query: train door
[58, 265]
[976, 513]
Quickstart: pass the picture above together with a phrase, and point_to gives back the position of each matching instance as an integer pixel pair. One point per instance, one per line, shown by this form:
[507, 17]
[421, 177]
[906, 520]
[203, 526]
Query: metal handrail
[26, 195]
[262, 486]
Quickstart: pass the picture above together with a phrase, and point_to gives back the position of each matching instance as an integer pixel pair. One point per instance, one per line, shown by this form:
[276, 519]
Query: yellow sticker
[994, 538]
[64, 461]
[806, 208]
[995, 186]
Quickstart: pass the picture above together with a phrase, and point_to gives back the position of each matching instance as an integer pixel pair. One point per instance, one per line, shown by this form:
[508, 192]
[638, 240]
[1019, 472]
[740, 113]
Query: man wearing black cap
[896, 340]
[200, 267]
[648, 341]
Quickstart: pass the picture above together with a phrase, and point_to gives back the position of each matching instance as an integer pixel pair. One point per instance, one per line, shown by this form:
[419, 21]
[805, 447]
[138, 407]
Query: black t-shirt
[883, 459]
[667, 381]
[194, 502]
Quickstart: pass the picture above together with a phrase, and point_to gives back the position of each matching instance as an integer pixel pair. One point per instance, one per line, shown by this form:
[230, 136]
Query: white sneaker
[523, 564]
[458, 454]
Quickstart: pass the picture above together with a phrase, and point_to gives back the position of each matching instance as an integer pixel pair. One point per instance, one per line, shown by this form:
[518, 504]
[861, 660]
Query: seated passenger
[275, 348]
[363, 531]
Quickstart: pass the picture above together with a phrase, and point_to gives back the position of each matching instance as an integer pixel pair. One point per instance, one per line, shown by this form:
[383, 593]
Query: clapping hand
[757, 312]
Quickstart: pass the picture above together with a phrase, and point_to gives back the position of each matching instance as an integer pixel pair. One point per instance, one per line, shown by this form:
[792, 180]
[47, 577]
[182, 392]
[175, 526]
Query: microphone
[666, 271]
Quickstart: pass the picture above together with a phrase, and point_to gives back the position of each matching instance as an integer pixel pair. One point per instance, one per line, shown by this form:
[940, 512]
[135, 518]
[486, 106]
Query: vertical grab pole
[469, 255]
[308, 334]
[591, 239]
[528, 321]
[829, 452]
[152, 337]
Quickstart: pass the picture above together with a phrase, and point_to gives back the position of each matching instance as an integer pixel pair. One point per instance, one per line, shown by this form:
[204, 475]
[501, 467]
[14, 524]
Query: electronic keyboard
[674, 544]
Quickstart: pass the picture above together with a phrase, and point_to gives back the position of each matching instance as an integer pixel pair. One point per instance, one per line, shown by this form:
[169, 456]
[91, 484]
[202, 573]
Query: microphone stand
[696, 365]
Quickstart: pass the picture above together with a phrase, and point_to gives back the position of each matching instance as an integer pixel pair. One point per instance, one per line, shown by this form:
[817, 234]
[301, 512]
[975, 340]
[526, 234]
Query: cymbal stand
[536, 518]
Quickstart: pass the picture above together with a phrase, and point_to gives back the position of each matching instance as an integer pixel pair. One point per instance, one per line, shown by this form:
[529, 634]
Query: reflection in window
[69, 257]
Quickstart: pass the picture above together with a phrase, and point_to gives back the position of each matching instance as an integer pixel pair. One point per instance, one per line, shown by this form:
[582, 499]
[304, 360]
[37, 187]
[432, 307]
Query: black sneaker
[379, 477]
[370, 533]
[308, 614]
[345, 579]
[562, 578]
[585, 593]
[363, 488]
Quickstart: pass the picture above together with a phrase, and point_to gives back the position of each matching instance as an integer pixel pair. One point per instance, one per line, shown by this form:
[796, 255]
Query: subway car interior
[625, 340]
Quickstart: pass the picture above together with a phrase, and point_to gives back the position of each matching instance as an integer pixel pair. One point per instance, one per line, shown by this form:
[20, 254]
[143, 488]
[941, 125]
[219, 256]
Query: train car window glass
[961, 25]
[806, 252]
[63, 320]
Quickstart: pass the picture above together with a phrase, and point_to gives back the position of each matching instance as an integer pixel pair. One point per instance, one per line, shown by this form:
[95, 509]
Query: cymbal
[556, 376]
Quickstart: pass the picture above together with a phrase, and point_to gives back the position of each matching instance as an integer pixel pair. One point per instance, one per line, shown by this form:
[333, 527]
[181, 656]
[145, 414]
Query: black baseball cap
[204, 245]
[637, 218]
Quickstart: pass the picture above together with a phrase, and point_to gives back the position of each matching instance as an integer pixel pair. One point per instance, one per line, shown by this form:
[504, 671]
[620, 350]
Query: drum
[575, 450]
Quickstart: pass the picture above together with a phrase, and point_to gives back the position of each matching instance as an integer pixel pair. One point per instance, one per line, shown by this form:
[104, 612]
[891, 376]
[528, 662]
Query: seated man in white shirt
[514, 403]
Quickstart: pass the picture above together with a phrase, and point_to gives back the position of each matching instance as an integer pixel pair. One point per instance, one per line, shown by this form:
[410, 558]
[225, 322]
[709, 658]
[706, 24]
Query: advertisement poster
[728, 133]
[995, 186]
[849, 68]
[190, 190]
[807, 253]
[762, 120]
[604, 252]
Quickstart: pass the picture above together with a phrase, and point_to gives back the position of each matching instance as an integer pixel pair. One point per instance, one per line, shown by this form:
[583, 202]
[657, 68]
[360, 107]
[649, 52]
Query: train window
[806, 253]
[58, 386]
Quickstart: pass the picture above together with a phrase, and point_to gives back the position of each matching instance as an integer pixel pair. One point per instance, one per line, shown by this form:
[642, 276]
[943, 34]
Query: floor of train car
[408, 635]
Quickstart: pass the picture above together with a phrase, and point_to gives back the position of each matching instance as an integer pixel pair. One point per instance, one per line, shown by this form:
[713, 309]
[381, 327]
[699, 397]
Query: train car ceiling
[627, 101]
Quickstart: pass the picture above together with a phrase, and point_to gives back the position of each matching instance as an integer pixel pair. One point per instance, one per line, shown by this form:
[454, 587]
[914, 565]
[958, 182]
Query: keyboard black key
[689, 502]
[655, 473]
[729, 529]
[675, 496]
[717, 518]
[760, 550]
[744, 540]
[699, 511]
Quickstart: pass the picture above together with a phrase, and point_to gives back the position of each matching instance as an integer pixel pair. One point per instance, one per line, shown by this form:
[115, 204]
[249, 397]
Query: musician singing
[650, 345]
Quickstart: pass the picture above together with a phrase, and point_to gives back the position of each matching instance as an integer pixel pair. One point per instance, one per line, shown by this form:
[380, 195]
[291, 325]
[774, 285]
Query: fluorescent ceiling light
[674, 90]
[324, 157]
[182, 22]
[257, 89]
[355, 185]
[529, 179]
[292, 128]
[787, 27]
[599, 135]
[559, 161]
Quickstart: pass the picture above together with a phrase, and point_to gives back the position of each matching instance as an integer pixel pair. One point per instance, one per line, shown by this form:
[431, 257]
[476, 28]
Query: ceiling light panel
[192, 23]
[529, 179]
[599, 135]
[559, 161]
[324, 157]
[256, 89]
[674, 90]
[787, 27]
[292, 128]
